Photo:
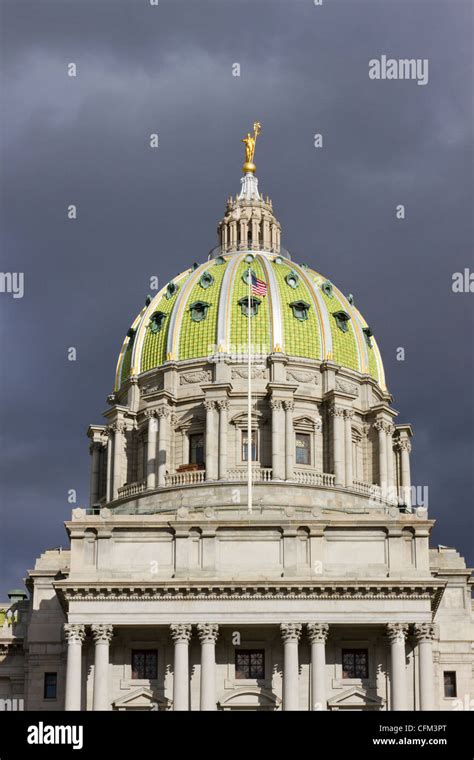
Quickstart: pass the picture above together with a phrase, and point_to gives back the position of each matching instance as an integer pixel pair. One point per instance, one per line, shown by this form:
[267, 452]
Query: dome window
[278, 260]
[342, 320]
[292, 279]
[304, 266]
[300, 310]
[206, 280]
[249, 258]
[254, 304]
[198, 311]
[195, 266]
[326, 287]
[219, 260]
[171, 290]
[157, 321]
[368, 335]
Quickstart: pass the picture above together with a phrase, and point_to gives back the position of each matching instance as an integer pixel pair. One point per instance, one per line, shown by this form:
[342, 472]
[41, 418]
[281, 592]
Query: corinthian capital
[118, 427]
[208, 633]
[163, 411]
[290, 631]
[150, 413]
[209, 405]
[181, 632]
[348, 414]
[289, 405]
[397, 632]
[335, 411]
[223, 405]
[102, 634]
[424, 631]
[74, 633]
[317, 632]
[403, 445]
[275, 404]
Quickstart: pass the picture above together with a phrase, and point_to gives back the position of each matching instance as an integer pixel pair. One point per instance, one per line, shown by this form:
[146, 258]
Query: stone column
[110, 442]
[424, 634]
[102, 635]
[290, 633]
[348, 415]
[289, 440]
[151, 449]
[317, 635]
[390, 468]
[163, 444]
[95, 449]
[382, 434]
[119, 452]
[337, 415]
[278, 462]
[208, 633]
[223, 405]
[75, 635]
[181, 635]
[396, 633]
[211, 441]
[404, 447]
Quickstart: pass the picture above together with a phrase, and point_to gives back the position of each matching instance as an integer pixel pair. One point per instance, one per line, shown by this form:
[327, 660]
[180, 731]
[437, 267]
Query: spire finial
[250, 141]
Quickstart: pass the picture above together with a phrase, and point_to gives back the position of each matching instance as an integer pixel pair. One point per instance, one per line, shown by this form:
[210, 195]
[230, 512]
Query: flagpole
[249, 395]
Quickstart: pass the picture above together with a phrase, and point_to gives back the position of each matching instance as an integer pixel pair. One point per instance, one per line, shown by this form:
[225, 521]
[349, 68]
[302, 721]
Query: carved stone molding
[346, 387]
[157, 385]
[208, 633]
[317, 632]
[424, 631]
[74, 633]
[256, 373]
[181, 632]
[397, 632]
[102, 633]
[290, 632]
[301, 376]
[199, 376]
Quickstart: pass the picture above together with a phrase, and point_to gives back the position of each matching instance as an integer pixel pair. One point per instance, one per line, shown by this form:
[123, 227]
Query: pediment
[250, 698]
[142, 699]
[355, 698]
[241, 419]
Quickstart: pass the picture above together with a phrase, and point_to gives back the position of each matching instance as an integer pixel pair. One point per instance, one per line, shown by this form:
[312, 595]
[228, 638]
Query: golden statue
[250, 141]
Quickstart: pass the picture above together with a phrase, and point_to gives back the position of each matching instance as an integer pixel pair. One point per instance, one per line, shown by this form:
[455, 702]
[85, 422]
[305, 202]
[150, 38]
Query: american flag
[259, 287]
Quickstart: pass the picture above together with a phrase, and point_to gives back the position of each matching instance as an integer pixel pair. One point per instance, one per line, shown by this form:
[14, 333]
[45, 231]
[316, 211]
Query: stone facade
[173, 595]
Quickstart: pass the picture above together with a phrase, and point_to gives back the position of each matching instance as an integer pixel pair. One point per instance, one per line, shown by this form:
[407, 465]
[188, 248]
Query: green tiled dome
[204, 311]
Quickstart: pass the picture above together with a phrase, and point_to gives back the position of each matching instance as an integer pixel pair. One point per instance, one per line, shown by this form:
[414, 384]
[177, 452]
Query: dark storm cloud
[142, 212]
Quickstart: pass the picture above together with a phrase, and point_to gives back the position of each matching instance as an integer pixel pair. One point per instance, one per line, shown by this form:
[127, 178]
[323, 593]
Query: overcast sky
[144, 212]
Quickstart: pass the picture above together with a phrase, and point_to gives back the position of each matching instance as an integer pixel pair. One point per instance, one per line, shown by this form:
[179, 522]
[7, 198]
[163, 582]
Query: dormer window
[278, 260]
[292, 279]
[367, 335]
[219, 260]
[171, 290]
[206, 280]
[254, 304]
[245, 276]
[300, 310]
[326, 287]
[342, 320]
[198, 311]
[157, 321]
